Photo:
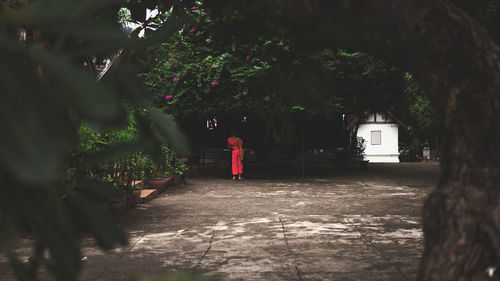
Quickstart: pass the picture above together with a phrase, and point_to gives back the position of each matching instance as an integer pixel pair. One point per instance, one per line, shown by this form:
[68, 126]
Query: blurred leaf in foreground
[51, 53]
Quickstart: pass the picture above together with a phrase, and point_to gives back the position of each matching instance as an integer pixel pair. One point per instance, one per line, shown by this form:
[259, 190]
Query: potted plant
[117, 173]
[117, 203]
[133, 197]
[176, 171]
[155, 173]
[358, 152]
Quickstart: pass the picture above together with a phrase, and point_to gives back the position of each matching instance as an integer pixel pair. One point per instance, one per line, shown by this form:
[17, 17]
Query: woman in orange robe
[236, 145]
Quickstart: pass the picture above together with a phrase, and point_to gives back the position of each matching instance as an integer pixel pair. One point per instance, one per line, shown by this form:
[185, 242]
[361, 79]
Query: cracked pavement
[350, 225]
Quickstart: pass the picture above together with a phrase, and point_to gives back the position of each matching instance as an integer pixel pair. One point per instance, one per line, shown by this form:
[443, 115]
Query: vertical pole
[302, 143]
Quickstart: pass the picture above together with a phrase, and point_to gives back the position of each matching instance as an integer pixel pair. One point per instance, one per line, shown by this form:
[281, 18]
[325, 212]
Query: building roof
[354, 120]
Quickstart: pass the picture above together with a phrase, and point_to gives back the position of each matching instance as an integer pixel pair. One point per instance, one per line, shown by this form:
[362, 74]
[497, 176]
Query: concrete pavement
[351, 225]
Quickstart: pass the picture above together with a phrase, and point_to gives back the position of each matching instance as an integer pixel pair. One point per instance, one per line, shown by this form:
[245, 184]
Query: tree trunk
[458, 63]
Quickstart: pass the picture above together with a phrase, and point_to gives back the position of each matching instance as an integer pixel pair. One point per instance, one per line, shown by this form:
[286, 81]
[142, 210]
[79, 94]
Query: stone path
[356, 225]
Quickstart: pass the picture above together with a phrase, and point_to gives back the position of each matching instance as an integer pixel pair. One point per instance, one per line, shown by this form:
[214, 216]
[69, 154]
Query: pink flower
[187, 37]
[280, 43]
[161, 79]
[198, 21]
[169, 102]
[175, 79]
[208, 40]
[267, 98]
[169, 97]
[213, 65]
[248, 58]
[214, 84]
[192, 30]
[198, 33]
[194, 7]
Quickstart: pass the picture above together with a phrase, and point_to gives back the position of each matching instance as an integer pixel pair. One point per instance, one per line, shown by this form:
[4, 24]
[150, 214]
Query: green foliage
[264, 78]
[165, 164]
[69, 143]
[203, 74]
[421, 114]
[363, 82]
[64, 135]
[358, 150]
[122, 171]
[194, 78]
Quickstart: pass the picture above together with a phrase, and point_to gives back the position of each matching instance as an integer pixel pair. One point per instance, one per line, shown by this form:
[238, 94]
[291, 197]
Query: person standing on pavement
[235, 144]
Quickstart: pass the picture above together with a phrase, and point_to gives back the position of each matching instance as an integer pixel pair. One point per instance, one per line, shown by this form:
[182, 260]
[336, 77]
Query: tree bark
[458, 63]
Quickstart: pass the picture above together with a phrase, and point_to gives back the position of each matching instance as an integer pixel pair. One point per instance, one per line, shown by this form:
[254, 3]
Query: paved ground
[351, 225]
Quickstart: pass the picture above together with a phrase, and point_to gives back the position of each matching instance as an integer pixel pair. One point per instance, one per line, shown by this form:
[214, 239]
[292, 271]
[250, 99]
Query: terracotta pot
[117, 205]
[157, 183]
[176, 179]
[171, 180]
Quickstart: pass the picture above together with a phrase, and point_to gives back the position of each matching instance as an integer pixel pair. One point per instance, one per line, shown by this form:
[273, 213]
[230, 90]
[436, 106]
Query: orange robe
[237, 164]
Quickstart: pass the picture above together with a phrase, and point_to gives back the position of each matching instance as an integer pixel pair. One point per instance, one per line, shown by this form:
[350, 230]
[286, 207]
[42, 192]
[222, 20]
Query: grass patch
[338, 215]
[379, 215]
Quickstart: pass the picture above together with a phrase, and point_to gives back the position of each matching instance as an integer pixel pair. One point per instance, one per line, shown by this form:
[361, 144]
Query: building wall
[385, 152]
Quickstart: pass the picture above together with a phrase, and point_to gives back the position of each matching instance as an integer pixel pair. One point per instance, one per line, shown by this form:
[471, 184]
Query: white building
[380, 131]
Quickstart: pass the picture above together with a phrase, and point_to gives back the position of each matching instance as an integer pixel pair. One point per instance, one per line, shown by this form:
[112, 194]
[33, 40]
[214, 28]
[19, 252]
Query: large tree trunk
[458, 63]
